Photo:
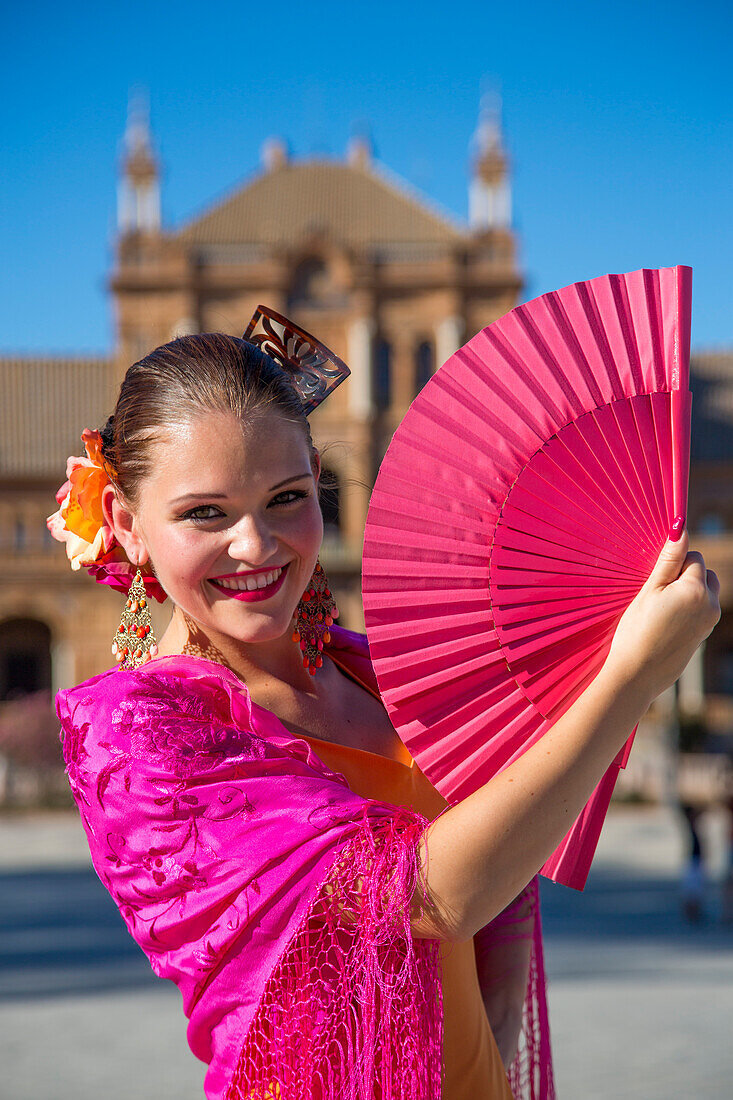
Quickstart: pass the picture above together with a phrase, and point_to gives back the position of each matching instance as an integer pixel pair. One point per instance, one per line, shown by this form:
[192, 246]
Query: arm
[482, 852]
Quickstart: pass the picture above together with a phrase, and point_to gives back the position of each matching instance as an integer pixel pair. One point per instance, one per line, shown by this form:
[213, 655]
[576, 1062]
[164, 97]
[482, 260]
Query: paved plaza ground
[641, 1003]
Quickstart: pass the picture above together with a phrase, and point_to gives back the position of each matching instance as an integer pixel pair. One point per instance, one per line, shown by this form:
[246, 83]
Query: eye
[190, 514]
[289, 496]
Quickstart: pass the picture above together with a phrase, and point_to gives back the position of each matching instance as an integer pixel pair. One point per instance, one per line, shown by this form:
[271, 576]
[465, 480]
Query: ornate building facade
[351, 253]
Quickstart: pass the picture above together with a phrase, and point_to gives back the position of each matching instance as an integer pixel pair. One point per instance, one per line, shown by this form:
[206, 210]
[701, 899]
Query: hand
[674, 612]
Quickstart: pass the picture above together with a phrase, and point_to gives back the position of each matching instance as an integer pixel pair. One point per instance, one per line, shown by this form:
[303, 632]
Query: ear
[124, 525]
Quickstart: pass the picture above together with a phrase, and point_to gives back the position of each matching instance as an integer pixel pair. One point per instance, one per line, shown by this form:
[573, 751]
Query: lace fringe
[353, 1010]
[530, 1074]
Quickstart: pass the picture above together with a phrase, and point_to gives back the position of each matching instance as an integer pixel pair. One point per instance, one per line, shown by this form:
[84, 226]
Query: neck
[260, 665]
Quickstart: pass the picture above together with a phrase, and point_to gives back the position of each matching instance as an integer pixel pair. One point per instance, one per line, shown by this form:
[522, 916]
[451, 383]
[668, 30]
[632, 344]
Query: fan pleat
[449, 627]
[465, 712]
[648, 460]
[508, 425]
[551, 647]
[486, 388]
[486, 458]
[517, 558]
[459, 670]
[622, 436]
[567, 348]
[538, 400]
[547, 680]
[661, 416]
[595, 338]
[626, 329]
[602, 435]
[534, 323]
[560, 623]
[423, 604]
[595, 483]
[559, 514]
[592, 551]
[524, 610]
[436, 651]
[648, 326]
[573, 469]
[519, 509]
[389, 513]
[442, 618]
[681, 412]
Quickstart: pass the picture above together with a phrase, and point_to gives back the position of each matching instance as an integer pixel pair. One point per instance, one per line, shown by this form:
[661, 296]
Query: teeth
[249, 584]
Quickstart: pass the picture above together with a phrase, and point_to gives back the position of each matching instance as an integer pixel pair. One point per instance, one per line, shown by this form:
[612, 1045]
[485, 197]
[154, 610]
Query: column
[360, 342]
[448, 338]
[691, 695]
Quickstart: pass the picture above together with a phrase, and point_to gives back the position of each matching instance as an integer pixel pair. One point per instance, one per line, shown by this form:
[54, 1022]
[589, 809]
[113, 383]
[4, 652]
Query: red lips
[256, 594]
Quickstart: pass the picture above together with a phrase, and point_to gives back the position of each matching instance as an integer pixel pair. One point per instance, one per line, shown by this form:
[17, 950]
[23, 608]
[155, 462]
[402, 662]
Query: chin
[265, 629]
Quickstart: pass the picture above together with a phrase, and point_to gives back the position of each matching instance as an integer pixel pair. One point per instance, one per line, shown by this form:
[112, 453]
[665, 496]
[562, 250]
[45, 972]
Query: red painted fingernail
[676, 528]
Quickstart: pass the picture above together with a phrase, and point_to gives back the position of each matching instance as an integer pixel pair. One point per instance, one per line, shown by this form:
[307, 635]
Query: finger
[694, 567]
[713, 582]
[671, 560]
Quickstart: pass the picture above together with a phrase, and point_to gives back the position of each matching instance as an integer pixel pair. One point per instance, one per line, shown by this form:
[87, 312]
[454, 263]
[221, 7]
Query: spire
[274, 154]
[359, 151]
[489, 195]
[138, 205]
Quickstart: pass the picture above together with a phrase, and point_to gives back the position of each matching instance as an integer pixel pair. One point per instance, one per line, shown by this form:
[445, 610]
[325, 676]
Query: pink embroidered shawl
[254, 878]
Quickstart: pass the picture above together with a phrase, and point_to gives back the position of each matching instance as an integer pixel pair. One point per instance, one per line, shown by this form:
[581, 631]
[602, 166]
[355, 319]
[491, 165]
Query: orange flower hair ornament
[80, 524]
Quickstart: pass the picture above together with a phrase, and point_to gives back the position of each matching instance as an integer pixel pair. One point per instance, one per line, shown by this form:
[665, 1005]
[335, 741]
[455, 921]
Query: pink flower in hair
[80, 524]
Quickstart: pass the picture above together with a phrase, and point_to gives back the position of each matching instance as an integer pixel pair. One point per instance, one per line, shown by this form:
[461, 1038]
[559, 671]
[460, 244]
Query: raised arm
[478, 855]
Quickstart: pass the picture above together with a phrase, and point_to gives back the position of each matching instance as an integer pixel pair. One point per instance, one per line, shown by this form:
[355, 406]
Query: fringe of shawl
[353, 1010]
[530, 1073]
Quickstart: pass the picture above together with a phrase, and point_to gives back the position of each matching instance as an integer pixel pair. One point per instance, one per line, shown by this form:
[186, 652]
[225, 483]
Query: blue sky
[618, 121]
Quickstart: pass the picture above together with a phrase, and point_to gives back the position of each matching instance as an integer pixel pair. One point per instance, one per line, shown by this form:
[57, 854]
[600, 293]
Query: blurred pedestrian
[693, 875]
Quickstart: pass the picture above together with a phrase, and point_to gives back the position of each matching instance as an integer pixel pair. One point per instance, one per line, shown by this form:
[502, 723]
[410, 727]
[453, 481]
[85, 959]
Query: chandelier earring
[314, 615]
[135, 642]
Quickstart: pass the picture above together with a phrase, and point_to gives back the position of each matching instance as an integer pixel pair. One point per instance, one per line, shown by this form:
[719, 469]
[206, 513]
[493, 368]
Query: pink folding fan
[520, 507]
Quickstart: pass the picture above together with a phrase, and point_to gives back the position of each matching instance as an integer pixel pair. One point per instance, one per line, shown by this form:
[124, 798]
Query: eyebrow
[223, 496]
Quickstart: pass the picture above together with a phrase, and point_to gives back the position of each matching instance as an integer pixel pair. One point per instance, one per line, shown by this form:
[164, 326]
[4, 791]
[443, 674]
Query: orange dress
[472, 1066]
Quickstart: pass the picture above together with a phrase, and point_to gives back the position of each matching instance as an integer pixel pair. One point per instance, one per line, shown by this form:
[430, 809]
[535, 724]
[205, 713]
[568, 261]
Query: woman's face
[230, 520]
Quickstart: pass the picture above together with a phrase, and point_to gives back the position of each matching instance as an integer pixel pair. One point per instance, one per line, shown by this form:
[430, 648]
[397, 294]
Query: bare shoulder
[343, 713]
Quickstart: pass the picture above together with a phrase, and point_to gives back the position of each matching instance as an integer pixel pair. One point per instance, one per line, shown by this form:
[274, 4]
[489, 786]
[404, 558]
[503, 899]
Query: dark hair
[206, 372]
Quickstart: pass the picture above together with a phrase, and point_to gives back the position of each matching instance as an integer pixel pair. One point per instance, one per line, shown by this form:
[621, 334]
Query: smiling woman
[252, 537]
[337, 931]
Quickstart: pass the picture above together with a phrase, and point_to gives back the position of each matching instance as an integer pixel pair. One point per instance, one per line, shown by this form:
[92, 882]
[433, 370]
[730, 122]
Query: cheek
[183, 553]
[315, 531]
[303, 530]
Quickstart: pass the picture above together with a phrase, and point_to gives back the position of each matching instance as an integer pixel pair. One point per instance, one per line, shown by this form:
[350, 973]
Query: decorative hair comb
[313, 367]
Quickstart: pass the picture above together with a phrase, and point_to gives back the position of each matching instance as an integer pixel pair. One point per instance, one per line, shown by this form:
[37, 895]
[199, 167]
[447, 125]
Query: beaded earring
[315, 614]
[134, 641]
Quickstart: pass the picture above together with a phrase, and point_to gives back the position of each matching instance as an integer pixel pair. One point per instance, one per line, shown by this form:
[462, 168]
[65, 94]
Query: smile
[258, 586]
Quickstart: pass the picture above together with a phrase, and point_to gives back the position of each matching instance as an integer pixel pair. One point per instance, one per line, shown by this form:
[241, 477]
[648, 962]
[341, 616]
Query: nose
[253, 542]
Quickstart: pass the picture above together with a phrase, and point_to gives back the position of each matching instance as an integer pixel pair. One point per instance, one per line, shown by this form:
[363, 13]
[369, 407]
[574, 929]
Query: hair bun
[107, 433]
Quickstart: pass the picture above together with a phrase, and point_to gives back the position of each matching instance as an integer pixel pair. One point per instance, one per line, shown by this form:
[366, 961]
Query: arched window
[311, 284]
[329, 498]
[25, 657]
[382, 373]
[424, 363]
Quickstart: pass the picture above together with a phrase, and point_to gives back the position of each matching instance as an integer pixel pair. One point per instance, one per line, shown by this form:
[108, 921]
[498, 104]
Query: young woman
[270, 843]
